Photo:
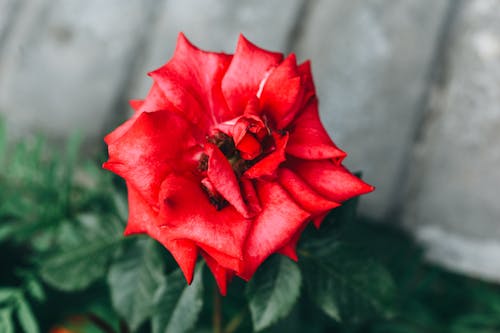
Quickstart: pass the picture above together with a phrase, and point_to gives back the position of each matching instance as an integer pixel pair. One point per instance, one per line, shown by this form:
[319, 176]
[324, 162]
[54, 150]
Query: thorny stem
[217, 315]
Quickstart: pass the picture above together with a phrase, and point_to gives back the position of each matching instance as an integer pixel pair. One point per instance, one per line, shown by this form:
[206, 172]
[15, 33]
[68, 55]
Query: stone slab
[371, 61]
[456, 175]
[8, 10]
[65, 62]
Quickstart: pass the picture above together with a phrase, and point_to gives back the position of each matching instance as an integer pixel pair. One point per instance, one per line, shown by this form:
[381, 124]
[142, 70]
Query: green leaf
[273, 291]
[178, 304]
[6, 323]
[8, 294]
[35, 289]
[332, 228]
[121, 205]
[345, 284]
[477, 323]
[25, 316]
[134, 279]
[6, 231]
[71, 157]
[83, 255]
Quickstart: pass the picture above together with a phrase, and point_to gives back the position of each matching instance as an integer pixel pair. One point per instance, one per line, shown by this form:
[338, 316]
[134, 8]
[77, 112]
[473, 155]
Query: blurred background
[410, 89]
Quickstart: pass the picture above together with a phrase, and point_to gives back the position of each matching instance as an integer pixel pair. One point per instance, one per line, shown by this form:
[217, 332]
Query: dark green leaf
[134, 279]
[477, 323]
[6, 323]
[35, 289]
[25, 316]
[346, 285]
[273, 291]
[83, 255]
[121, 205]
[8, 294]
[331, 229]
[178, 304]
[346, 213]
[6, 231]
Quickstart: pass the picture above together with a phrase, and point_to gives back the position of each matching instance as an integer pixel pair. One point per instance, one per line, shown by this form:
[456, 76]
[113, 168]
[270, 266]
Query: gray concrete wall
[409, 88]
[453, 200]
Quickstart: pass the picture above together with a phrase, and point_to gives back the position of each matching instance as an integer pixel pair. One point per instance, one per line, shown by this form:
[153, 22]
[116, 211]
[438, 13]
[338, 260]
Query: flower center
[251, 141]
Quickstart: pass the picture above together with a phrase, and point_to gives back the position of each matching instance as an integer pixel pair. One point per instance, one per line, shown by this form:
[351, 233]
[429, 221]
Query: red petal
[307, 80]
[268, 165]
[155, 101]
[136, 104]
[245, 73]
[142, 219]
[329, 179]
[185, 253]
[309, 139]
[191, 83]
[122, 129]
[224, 260]
[153, 145]
[303, 194]
[221, 175]
[186, 213]
[317, 220]
[281, 218]
[283, 93]
[222, 275]
[290, 249]
[250, 195]
[237, 127]
[141, 216]
[249, 147]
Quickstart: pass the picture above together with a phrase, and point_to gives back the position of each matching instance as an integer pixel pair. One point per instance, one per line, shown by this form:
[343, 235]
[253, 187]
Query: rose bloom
[226, 158]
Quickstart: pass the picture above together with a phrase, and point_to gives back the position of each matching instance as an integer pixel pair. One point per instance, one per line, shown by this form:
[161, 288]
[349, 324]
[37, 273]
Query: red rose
[227, 158]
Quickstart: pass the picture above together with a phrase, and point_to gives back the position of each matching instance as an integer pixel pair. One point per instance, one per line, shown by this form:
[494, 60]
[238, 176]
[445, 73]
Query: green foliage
[177, 304]
[25, 316]
[63, 256]
[13, 301]
[273, 291]
[6, 324]
[133, 280]
[347, 285]
[85, 248]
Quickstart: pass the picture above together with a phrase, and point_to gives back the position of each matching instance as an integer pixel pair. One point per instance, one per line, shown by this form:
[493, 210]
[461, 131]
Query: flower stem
[235, 322]
[217, 315]
[100, 323]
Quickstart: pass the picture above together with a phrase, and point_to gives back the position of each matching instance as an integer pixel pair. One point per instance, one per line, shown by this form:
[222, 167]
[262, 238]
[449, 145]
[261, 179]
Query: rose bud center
[243, 142]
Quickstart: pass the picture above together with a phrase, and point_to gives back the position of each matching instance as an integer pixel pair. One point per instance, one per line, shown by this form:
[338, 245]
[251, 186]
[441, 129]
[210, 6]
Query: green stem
[236, 321]
[217, 315]
[100, 323]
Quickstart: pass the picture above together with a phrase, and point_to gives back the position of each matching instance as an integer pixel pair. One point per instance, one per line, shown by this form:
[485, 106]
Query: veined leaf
[134, 279]
[346, 286]
[83, 255]
[178, 304]
[273, 291]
